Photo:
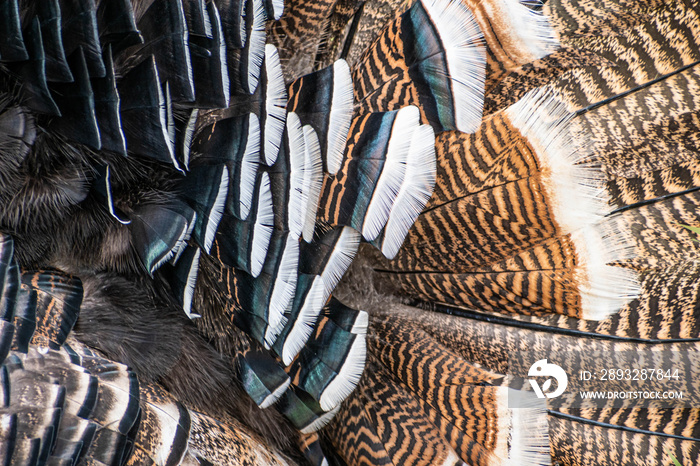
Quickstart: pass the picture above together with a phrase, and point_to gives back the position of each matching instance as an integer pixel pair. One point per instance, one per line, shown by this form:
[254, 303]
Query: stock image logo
[542, 368]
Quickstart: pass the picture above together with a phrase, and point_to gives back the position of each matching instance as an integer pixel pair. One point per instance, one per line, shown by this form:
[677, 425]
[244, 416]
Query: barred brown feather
[300, 35]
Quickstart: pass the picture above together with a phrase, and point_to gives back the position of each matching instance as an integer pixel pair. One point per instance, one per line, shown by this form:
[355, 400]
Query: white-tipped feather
[166, 121]
[466, 58]
[188, 293]
[186, 238]
[405, 124]
[79, 393]
[208, 30]
[421, 171]
[175, 249]
[171, 122]
[6, 422]
[186, 40]
[249, 166]
[361, 323]
[297, 153]
[283, 290]
[340, 116]
[167, 422]
[169, 255]
[313, 181]
[118, 117]
[262, 230]
[110, 201]
[347, 379]
[225, 80]
[275, 104]
[256, 45]
[604, 289]
[340, 259]
[305, 321]
[533, 35]
[180, 244]
[162, 105]
[525, 430]
[274, 396]
[241, 22]
[187, 139]
[115, 386]
[575, 190]
[453, 459]
[277, 9]
[216, 211]
[321, 421]
[306, 177]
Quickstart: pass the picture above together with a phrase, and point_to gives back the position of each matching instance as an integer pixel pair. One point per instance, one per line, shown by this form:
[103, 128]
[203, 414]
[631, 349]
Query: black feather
[76, 102]
[57, 68]
[31, 74]
[12, 46]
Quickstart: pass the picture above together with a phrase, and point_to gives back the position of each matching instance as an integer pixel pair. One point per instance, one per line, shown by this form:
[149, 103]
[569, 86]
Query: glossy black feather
[57, 67]
[76, 102]
[79, 31]
[12, 46]
[32, 72]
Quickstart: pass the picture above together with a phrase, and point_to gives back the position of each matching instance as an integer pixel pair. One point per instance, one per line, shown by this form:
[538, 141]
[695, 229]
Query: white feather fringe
[275, 104]
[217, 210]
[466, 58]
[297, 154]
[393, 173]
[340, 259]
[249, 166]
[305, 321]
[421, 171]
[189, 135]
[283, 290]
[313, 181]
[525, 438]
[225, 79]
[262, 230]
[256, 44]
[189, 286]
[274, 396]
[604, 288]
[340, 116]
[576, 190]
[347, 379]
[321, 421]
[530, 29]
